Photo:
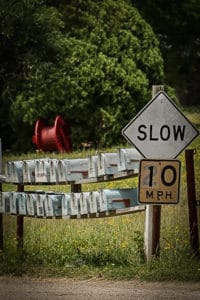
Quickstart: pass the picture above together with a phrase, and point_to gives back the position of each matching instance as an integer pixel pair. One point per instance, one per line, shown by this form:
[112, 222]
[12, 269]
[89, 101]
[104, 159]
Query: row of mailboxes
[49, 204]
[68, 170]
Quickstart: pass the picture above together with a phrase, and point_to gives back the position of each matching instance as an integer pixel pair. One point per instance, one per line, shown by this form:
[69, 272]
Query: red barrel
[51, 138]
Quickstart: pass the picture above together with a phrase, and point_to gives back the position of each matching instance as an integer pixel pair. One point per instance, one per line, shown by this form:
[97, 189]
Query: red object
[125, 201]
[51, 138]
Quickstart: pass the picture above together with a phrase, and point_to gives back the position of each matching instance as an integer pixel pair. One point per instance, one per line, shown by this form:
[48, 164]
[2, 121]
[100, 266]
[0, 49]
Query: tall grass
[108, 247]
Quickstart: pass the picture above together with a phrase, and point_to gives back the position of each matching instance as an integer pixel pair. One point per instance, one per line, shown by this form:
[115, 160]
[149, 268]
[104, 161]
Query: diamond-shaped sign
[160, 130]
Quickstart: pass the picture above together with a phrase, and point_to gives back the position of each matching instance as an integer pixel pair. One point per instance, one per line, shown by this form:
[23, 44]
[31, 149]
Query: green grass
[108, 247]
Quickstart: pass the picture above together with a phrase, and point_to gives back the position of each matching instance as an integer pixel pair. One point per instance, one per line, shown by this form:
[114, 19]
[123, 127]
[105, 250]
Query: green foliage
[93, 64]
[176, 24]
[30, 37]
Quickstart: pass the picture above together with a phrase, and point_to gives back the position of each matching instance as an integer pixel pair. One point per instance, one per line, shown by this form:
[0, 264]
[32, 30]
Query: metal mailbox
[120, 198]
[76, 169]
[62, 170]
[107, 164]
[74, 209]
[21, 203]
[13, 204]
[128, 159]
[14, 172]
[2, 203]
[93, 202]
[48, 205]
[5, 202]
[31, 204]
[83, 203]
[53, 204]
[54, 170]
[77, 200]
[66, 204]
[57, 204]
[28, 171]
[102, 202]
[40, 204]
[42, 170]
[92, 166]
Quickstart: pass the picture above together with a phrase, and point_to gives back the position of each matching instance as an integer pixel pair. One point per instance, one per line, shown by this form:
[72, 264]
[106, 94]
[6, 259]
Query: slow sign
[159, 181]
[160, 130]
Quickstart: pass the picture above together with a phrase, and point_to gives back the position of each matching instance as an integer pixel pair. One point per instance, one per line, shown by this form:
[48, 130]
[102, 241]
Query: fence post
[75, 188]
[1, 215]
[20, 224]
[1, 225]
[192, 208]
[152, 215]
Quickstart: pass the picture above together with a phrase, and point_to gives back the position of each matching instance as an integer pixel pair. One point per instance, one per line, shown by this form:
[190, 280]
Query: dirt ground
[25, 288]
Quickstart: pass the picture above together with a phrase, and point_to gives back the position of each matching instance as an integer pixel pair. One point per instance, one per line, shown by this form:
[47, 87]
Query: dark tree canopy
[176, 24]
[93, 62]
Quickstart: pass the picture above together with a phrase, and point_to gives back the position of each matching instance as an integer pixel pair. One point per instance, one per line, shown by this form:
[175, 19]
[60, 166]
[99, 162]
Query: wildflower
[111, 222]
[124, 245]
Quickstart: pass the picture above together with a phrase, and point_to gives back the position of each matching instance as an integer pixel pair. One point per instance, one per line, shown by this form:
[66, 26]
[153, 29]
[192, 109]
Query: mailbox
[13, 204]
[21, 203]
[83, 203]
[14, 172]
[42, 170]
[76, 169]
[74, 209]
[2, 202]
[28, 171]
[48, 205]
[93, 202]
[102, 202]
[128, 159]
[53, 170]
[40, 204]
[5, 202]
[119, 198]
[53, 204]
[107, 164]
[62, 170]
[31, 204]
[92, 166]
[57, 204]
[66, 204]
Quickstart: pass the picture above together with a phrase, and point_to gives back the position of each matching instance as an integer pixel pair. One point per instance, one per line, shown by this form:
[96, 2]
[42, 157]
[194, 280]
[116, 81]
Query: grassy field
[107, 247]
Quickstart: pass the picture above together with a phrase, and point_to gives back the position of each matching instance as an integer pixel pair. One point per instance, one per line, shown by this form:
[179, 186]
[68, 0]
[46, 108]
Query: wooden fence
[76, 204]
[103, 167]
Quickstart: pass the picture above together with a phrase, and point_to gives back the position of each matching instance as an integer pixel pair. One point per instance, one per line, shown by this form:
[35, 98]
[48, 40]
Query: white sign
[159, 181]
[160, 130]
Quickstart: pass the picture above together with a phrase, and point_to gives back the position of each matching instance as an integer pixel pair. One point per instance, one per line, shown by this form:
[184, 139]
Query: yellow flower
[111, 221]
[124, 244]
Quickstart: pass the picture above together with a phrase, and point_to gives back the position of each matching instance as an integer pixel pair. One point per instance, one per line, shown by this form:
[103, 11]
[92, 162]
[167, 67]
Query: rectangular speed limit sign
[159, 181]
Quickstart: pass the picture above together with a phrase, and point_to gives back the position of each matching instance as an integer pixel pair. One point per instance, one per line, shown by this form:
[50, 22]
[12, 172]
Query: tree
[95, 68]
[30, 36]
[176, 24]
